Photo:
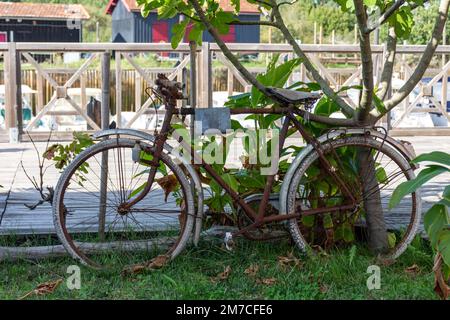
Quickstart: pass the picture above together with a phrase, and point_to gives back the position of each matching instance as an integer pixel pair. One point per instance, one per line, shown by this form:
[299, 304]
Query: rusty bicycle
[130, 193]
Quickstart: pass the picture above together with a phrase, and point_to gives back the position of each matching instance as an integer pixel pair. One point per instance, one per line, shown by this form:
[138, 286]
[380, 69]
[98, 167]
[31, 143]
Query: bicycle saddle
[292, 96]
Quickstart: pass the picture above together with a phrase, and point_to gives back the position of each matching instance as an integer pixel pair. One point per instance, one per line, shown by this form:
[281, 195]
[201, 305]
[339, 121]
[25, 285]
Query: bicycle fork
[160, 140]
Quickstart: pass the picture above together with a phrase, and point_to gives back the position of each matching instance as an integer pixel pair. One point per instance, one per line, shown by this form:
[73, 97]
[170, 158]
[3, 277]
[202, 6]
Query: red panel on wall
[3, 37]
[160, 32]
[231, 36]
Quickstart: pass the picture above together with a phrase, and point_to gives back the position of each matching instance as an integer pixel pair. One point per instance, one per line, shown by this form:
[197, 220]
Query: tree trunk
[376, 226]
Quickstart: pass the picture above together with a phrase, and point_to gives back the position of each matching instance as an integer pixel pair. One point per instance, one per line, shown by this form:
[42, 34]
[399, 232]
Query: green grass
[333, 276]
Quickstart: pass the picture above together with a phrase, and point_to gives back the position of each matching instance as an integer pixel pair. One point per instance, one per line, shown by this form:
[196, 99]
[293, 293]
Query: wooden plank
[399, 132]
[39, 69]
[83, 91]
[206, 76]
[137, 90]
[149, 101]
[44, 110]
[230, 82]
[40, 92]
[80, 71]
[82, 113]
[118, 58]
[10, 87]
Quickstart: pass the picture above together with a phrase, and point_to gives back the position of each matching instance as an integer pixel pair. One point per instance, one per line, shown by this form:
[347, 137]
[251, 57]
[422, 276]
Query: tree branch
[366, 60]
[231, 57]
[424, 62]
[347, 109]
[388, 68]
[254, 23]
[389, 12]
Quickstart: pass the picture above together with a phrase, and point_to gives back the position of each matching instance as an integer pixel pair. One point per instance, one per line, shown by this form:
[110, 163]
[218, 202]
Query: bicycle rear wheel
[89, 213]
[371, 169]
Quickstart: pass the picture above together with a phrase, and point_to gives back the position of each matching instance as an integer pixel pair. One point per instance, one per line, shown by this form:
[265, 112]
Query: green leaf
[446, 193]
[435, 156]
[326, 107]
[196, 33]
[410, 186]
[346, 5]
[238, 101]
[381, 175]
[231, 181]
[251, 179]
[168, 9]
[276, 76]
[237, 5]
[178, 31]
[379, 104]
[148, 6]
[370, 3]
[327, 221]
[444, 246]
[392, 240]
[434, 221]
[308, 221]
[236, 125]
[349, 236]
[137, 190]
[222, 20]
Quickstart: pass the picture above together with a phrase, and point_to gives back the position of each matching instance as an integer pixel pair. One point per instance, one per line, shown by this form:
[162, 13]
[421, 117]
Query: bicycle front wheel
[92, 219]
[370, 170]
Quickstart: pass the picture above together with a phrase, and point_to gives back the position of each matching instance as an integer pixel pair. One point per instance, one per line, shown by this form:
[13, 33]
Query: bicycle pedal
[228, 240]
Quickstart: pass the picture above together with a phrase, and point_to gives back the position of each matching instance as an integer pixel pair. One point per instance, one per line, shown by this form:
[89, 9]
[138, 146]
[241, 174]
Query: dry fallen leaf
[289, 260]
[252, 270]
[44, 288]
[223, 275]
[413, 270]
[323, 288]
[156, 263]
[168, 183]
[267, 281]
[385, 262]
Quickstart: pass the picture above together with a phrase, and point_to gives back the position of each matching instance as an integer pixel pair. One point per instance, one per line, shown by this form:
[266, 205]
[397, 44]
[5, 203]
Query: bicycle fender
[192, 174]
[330, 136]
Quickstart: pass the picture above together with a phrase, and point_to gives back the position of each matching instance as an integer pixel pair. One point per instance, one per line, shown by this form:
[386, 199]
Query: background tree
[370, 15]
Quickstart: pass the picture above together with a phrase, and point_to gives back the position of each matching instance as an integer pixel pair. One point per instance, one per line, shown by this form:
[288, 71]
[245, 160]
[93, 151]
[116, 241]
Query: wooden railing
[14, 54]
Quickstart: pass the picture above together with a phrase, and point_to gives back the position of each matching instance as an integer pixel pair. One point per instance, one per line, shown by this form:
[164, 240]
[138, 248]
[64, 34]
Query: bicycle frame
[257, 216]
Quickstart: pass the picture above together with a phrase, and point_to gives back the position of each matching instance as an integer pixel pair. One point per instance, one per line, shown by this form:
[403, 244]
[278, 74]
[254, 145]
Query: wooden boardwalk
[17, 219]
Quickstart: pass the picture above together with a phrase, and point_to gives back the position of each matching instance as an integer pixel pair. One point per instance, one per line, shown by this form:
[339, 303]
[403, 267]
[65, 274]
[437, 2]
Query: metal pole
[106, 64]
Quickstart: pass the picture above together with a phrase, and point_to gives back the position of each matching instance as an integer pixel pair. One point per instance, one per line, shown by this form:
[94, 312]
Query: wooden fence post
[230, 82]
[118, 60]
[19, 103]
[83, 99]
[206, 76]
[40, 92]
[11, 92]
[106, 70]
[445, 76]
[193, 82]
